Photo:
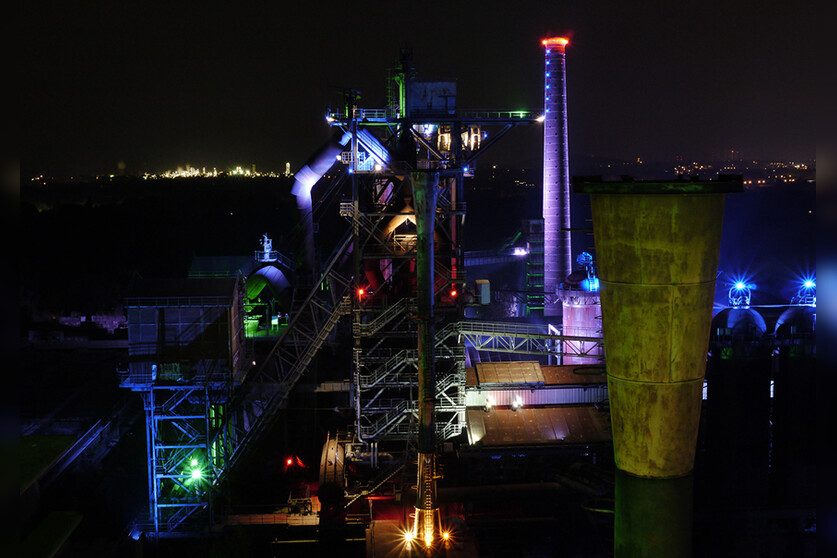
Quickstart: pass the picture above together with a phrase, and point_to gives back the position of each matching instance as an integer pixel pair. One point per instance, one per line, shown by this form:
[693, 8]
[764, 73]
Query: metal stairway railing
[385, 317]
[293, 352]
[399, 368]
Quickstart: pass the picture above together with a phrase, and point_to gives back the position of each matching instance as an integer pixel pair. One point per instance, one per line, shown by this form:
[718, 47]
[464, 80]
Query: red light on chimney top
[555, 41]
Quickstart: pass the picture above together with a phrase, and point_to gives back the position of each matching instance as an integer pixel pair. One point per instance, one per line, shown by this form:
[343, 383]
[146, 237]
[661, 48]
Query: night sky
[216, 85]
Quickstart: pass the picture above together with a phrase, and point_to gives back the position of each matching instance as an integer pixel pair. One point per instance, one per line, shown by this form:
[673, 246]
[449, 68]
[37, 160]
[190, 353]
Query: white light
[809, 284]
[377, 167]
[541, 118]
[196, 474]
[194, 463]
[519, 251]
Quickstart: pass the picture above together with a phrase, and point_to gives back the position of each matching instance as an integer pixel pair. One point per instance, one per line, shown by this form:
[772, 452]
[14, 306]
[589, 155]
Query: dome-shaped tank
[738, 323]
[794, 418]
[796, 321]
[737, 409]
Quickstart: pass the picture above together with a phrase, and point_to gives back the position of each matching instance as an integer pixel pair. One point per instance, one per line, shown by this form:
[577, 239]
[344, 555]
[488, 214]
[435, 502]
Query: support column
[425, 195]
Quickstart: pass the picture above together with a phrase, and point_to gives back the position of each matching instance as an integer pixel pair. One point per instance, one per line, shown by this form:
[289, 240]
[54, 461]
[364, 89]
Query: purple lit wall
[556, 181]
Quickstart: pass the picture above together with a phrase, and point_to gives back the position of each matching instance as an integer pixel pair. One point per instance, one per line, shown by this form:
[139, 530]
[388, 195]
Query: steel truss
[384, 328]
[190, 442]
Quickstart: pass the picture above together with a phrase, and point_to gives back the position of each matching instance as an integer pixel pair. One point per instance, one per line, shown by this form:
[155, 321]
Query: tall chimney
[557, 260]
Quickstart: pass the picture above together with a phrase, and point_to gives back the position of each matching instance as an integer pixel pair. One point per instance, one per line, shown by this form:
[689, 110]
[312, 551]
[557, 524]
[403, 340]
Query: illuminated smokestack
[556, 172]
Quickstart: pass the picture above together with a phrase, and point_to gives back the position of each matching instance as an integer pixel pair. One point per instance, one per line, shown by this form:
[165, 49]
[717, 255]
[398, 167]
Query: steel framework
[383, 219]
[186, 355]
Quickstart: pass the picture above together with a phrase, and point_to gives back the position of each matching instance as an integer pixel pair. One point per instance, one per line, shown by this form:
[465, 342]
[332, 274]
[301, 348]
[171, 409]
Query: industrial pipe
[306, 178]
[657, 246]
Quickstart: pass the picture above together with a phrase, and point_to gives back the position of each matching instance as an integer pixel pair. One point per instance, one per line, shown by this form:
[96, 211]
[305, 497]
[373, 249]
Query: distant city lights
[204, 172]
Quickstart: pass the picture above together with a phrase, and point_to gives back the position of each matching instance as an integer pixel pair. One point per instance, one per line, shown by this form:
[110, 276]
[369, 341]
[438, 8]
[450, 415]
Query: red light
[290, 461]
[555, 42]
[360, 292]
[453, 293]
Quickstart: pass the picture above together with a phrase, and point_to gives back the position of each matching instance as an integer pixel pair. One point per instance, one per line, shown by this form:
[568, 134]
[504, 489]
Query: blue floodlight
[807, 293]
[739, 293]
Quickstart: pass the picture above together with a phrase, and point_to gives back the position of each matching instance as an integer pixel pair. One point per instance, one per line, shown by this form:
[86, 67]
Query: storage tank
[793, 472]
[737, 409]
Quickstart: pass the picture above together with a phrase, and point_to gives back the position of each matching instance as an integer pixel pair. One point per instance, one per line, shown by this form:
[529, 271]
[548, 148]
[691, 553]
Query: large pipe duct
[557, 258]
[657, 245]
[306, 178]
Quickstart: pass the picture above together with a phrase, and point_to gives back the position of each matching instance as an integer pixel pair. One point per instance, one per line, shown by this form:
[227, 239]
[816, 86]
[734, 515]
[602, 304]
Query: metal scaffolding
[385, 145]
[186, 354]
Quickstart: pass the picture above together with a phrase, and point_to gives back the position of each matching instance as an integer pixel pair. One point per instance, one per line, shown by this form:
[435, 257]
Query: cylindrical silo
[793, 472]
[556, 172]
[737, 437]
[657, 245]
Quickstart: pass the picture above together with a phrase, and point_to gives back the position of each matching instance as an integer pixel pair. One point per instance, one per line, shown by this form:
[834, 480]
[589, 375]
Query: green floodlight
[196, 474]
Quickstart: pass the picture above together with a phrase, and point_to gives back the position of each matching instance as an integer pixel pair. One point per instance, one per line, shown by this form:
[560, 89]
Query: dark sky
[217, 84]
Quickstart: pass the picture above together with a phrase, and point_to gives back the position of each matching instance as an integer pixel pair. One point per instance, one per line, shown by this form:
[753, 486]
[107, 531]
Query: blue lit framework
[189, 446]
[807, 293]
[186, 355]
[739, 294]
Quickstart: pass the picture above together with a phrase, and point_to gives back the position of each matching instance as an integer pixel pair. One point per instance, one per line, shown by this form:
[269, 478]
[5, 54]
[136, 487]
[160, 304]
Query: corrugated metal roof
[524, 372]
[572, 374]
[539, 425]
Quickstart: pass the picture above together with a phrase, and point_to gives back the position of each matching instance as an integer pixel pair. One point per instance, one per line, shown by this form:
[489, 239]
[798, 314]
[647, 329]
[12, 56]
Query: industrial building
[583, 415]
